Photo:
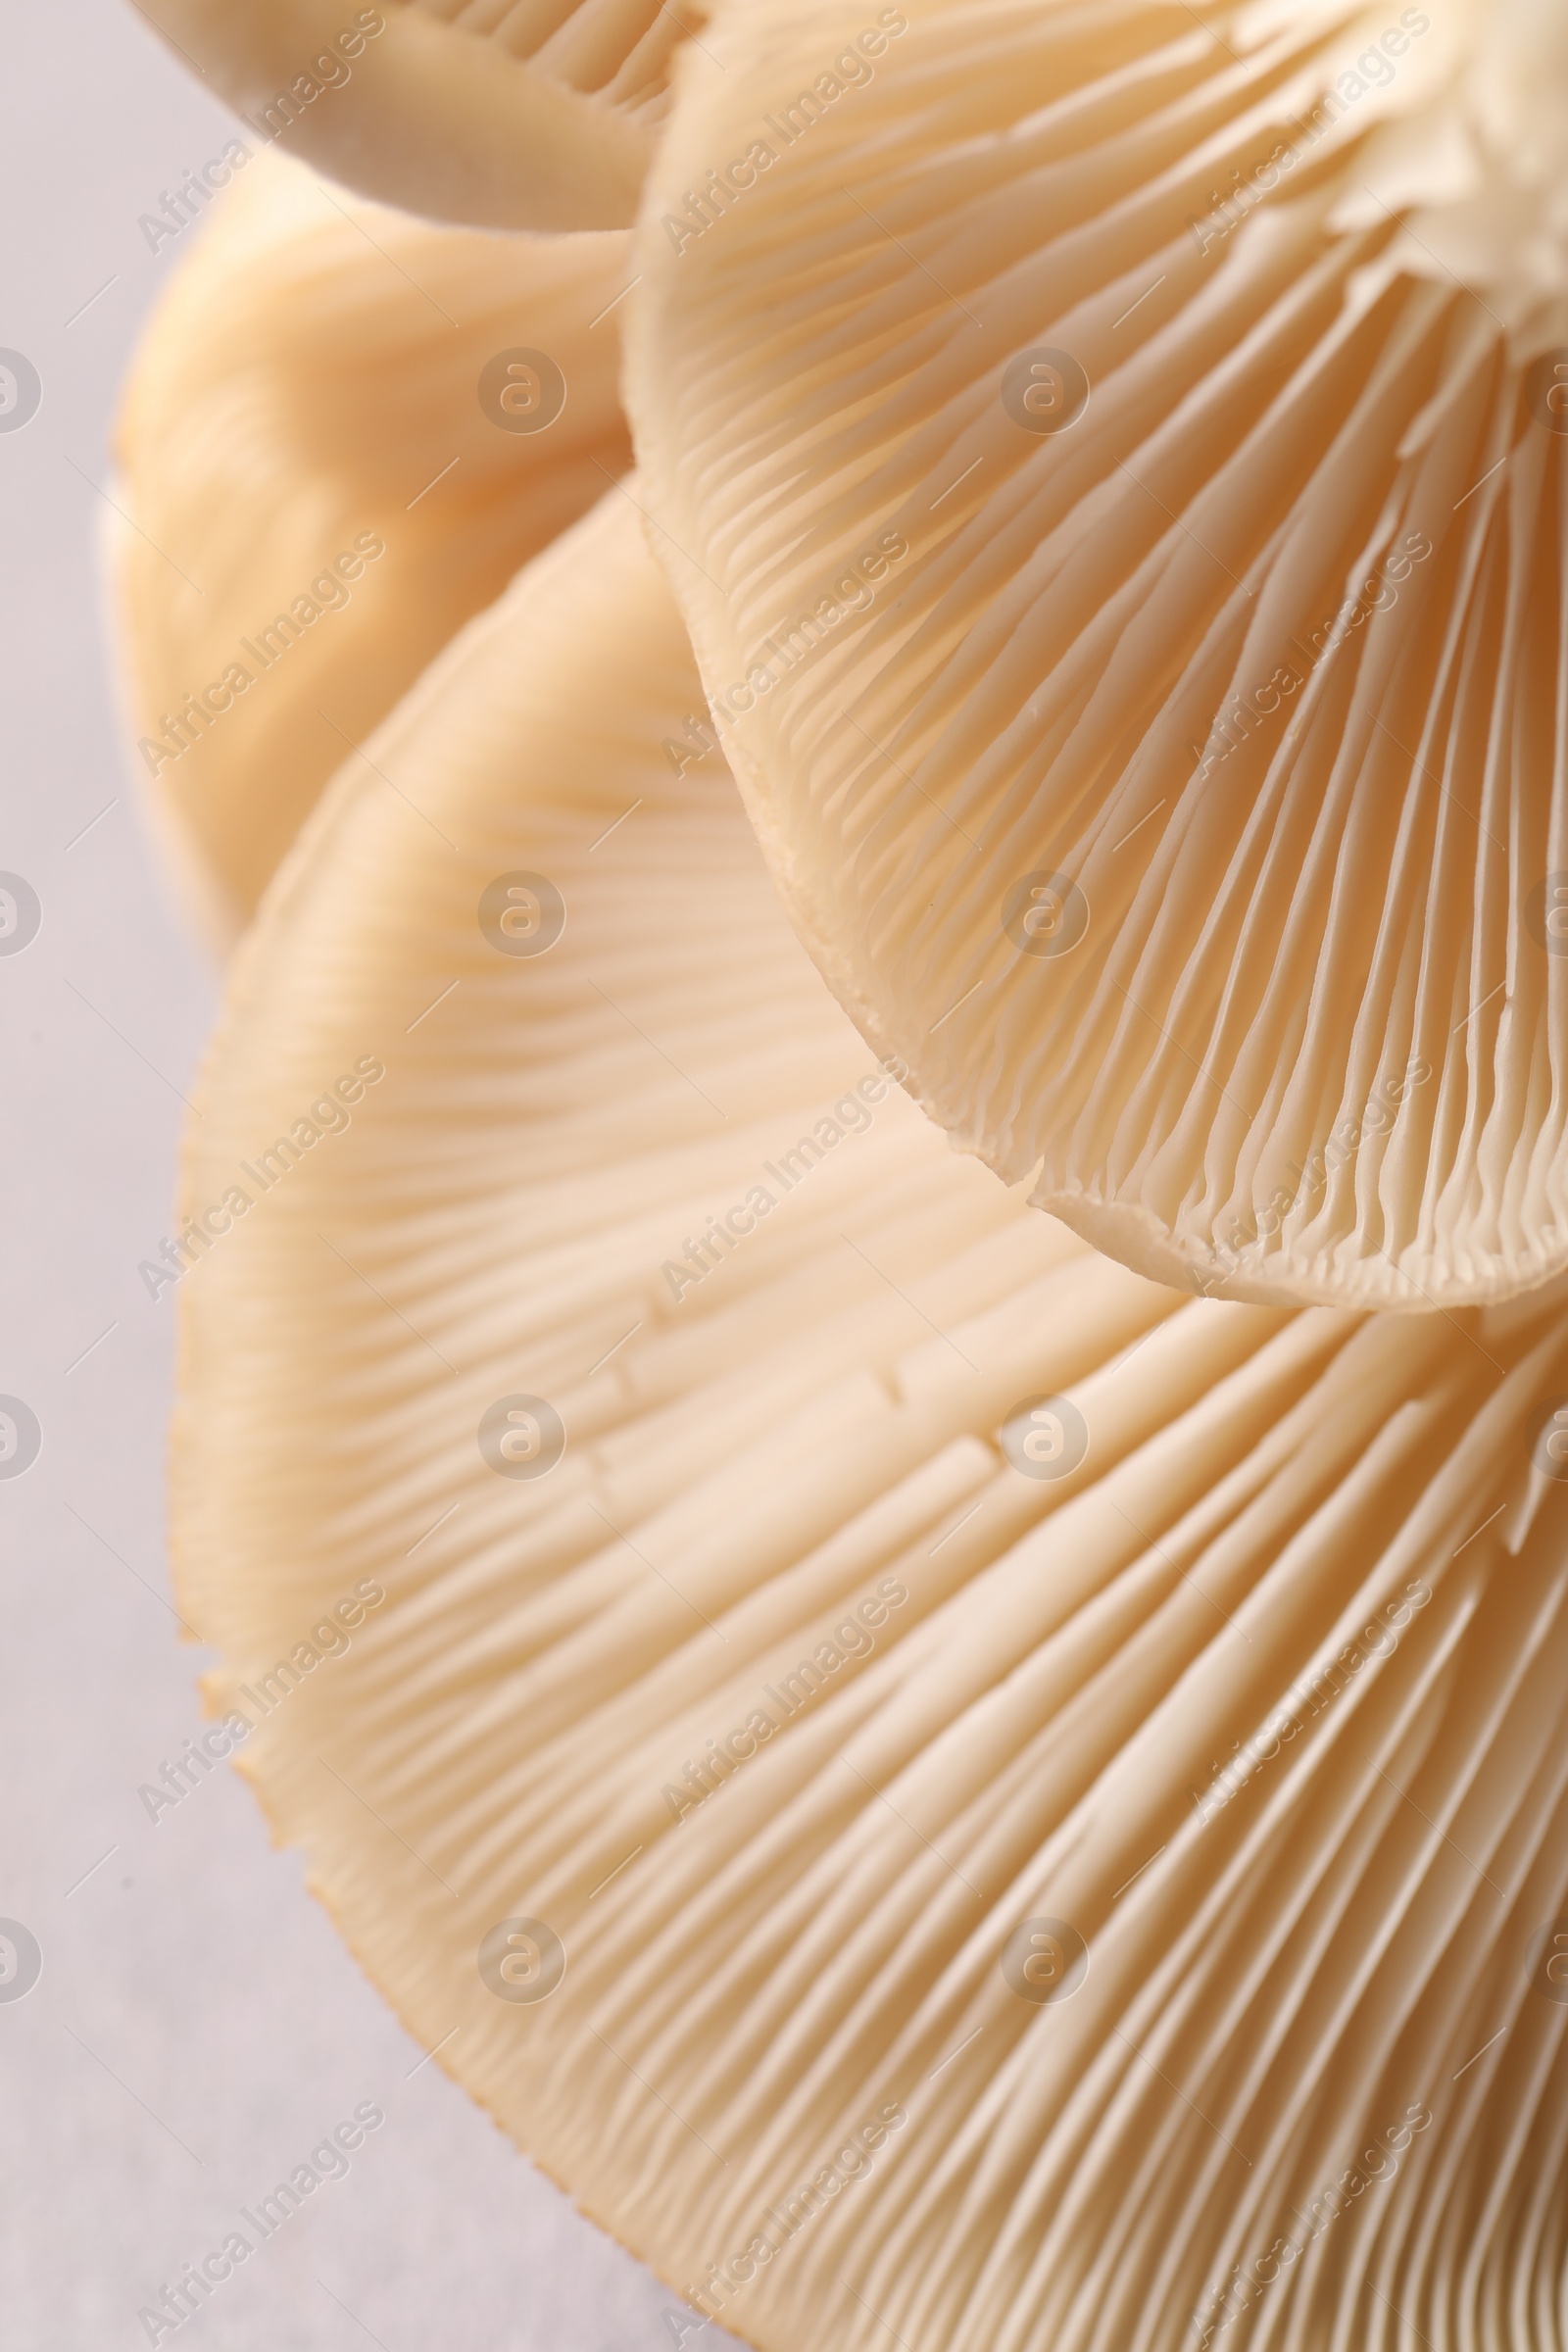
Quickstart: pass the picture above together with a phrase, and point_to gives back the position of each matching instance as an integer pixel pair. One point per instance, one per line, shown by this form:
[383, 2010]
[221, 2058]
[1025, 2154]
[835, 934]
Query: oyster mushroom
[511, 113]
[1160, 1807]
[323, 480]
[1118, 458]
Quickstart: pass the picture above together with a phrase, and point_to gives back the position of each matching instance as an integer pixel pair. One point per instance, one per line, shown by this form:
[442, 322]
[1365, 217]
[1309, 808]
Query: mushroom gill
[1111, 460]
[509, 113]
[326, 470]
[940, 1786]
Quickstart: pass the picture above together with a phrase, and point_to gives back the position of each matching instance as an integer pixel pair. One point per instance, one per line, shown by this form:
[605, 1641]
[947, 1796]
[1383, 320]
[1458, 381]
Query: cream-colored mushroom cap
[940, 1786]
[514, 114]
[325, 468]
[1115, 456]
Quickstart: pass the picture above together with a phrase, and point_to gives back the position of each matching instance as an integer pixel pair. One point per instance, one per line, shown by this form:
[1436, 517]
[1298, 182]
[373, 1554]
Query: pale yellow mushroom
[946, 1791]
[1111, 460]
[511, 114]
[324, 378]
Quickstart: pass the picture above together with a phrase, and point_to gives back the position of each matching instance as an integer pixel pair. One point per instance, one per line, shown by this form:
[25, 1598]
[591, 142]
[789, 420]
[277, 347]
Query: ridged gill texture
[1126, 561]
[1043, 1789]
[617, 51]
[324, 378]
[509, 113]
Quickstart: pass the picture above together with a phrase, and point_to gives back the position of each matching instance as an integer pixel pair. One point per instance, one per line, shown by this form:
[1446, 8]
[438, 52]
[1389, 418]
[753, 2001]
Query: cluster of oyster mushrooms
[964, 1744]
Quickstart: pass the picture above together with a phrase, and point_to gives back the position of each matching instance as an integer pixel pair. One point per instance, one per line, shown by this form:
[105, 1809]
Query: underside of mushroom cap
[506, 114]
[325, 472]
[1126, 563]
[939, 1786]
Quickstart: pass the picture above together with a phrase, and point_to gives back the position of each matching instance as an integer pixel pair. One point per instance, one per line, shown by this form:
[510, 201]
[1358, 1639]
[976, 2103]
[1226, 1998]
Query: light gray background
[197, 2029]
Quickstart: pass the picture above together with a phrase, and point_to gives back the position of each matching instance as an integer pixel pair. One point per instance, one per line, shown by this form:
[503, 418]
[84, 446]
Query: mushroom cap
[507, 114]
[1128, 555]
[1153, 1800]
[321, 372]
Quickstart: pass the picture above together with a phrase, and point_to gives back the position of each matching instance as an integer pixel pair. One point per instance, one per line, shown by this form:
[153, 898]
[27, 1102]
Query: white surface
[197, 2028]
